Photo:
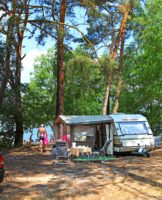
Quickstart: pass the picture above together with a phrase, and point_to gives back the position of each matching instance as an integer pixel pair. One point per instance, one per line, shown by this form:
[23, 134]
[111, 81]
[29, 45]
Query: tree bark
[60, 69]
[18, 107]
[119, 82]
[60, 59]
[17, 85]
[6, 66]
[114, 55]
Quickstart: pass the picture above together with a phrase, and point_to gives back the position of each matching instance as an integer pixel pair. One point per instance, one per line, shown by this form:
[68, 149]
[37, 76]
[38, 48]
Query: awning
[83, 119]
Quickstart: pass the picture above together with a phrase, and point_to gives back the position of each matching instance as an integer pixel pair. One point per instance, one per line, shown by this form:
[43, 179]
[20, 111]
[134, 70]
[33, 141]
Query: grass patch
[94, 159]
[160, 190]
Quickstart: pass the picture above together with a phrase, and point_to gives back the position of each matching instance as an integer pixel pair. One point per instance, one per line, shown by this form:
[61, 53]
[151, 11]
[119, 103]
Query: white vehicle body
[131, 131]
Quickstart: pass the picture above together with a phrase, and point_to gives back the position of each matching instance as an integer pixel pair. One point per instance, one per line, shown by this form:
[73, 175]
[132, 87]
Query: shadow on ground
[32, 175]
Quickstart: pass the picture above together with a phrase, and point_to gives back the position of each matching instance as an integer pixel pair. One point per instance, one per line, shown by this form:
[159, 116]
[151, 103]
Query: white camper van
[131, 131]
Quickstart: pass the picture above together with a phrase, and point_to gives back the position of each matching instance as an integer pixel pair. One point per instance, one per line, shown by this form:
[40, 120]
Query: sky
[28, 63]
[32, 51]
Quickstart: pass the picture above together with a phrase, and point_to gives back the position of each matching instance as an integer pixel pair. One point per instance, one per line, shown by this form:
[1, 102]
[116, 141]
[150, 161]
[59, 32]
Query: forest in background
[126, 77]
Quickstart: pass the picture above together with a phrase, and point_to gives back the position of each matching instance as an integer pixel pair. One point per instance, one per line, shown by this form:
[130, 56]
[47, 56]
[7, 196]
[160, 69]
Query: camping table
[76, 151]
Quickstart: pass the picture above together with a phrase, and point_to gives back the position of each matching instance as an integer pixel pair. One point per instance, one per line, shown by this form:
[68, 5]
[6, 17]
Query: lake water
[26, 136]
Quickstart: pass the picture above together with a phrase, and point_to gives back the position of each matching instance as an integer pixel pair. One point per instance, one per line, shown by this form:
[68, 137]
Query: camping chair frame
[61, 154]
[103, 151]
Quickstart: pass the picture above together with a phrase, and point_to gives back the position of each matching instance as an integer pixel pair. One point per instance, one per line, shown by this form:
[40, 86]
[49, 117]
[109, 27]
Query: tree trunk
[60, 59]
[6, 66]
[107, 92]
[18, 109]
[119, 83]
[17, 86]
[60, 69]
[114, 55]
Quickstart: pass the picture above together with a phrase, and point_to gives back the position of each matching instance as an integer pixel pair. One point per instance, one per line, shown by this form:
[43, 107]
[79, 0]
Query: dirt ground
[31, 175]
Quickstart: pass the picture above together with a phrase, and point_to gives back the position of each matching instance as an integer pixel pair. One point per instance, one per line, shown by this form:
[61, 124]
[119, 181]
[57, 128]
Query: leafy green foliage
[143, 74]
[84, 88]
[7, 120]
[82, 84]
[85, 79]
[39, 98]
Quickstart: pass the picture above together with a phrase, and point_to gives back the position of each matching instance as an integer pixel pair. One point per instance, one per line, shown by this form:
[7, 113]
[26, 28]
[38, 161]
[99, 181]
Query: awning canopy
[82, 119]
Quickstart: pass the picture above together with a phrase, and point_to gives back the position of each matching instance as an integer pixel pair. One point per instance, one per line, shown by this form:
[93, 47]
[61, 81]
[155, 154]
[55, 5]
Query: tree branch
[70, 26]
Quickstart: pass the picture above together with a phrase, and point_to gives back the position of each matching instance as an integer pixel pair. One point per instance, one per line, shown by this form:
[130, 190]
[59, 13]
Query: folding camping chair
[103, 151]
[60, 152]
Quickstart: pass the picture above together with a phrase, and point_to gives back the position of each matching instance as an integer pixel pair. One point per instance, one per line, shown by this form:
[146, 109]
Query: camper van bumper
[129, 149]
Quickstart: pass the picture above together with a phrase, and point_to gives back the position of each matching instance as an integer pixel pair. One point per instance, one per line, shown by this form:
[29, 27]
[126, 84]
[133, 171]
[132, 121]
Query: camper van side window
[133, 128]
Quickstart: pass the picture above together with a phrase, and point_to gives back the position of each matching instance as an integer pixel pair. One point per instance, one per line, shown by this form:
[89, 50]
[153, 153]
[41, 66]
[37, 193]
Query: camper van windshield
[128, 128]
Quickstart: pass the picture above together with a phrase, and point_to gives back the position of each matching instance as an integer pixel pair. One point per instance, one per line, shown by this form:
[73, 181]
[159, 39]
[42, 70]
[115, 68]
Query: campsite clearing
[31, 175]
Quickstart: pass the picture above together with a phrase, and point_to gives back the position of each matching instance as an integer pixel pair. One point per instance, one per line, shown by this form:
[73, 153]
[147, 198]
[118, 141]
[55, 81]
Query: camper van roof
[83, 119]
[127, 117]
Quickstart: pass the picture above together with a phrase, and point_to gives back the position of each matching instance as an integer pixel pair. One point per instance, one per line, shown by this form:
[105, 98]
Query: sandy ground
[31, 175]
